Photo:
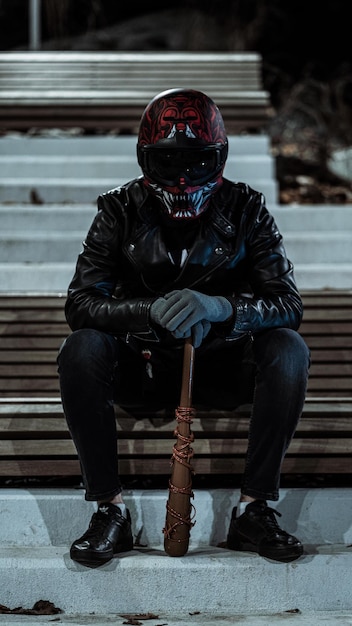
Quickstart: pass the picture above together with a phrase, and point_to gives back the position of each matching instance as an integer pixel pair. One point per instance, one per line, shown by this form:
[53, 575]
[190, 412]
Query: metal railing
[34, 25]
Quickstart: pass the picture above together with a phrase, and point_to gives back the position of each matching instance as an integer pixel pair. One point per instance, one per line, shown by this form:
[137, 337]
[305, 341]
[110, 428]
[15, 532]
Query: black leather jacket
[238, 253]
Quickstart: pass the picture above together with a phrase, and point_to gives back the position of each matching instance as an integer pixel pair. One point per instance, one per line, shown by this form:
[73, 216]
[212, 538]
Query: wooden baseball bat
[179, 509]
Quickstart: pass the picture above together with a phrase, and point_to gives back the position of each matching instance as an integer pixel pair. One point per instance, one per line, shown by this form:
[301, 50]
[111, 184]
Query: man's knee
[283, 348]
[82, 347]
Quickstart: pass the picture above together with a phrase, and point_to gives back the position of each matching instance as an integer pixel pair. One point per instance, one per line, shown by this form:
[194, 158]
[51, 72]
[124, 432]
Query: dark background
[296, 37]
[307, 64]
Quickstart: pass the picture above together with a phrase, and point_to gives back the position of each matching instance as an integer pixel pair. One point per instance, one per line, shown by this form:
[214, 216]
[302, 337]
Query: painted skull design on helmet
[182, 149]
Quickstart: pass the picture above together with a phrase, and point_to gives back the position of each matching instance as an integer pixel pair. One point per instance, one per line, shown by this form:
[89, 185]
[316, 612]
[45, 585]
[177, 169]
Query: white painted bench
[109, 90]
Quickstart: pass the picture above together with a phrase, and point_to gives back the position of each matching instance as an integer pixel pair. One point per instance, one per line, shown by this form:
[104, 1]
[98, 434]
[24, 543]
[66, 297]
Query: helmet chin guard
[182, 150]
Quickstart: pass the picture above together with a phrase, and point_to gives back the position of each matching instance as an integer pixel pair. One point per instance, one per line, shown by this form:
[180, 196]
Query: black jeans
[96, 369]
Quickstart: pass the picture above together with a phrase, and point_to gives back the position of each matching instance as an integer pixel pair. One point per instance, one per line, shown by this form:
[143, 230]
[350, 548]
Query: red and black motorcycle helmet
[182, 149]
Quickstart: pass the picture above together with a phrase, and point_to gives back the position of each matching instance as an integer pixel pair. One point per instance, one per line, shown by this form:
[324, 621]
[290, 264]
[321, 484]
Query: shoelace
[269, 518]
[97, 525]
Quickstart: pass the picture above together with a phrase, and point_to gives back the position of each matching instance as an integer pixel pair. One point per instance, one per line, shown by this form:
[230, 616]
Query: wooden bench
[34, 439]
[109, 90]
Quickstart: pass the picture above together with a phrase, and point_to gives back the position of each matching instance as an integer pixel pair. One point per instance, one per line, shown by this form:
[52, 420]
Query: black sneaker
[108, 533]
[257, 530]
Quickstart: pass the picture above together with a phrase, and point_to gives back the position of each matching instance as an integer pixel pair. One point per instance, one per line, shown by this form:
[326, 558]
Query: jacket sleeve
[91, 300]
[274, 300]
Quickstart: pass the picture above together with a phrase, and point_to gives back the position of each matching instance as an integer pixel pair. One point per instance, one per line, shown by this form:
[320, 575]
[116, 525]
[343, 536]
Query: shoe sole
[97, 558]
[286, 555]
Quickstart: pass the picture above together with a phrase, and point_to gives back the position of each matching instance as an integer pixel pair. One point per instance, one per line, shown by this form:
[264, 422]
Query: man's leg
[282, 360]
[87, 365]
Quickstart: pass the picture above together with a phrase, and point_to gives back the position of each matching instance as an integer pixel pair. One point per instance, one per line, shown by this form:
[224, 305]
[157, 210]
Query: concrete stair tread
[311, 232]
[87, 190]
[109, 158]
[338, 236]
[101, 184]
[155, 557]
[57, 235]
[314, 213]
[54, 277]
[179, 617]
[313, 236]
[308, 221]
[338, 267]
[217, 580]
[39, 525]
[76, 169]
[62, 182]
[104, 145]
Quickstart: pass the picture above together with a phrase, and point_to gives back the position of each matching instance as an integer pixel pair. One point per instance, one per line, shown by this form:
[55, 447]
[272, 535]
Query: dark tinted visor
[168, 165]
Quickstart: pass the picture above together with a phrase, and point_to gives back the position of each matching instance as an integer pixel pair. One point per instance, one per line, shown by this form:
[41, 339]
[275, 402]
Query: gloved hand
[180, 310]
[199, 331]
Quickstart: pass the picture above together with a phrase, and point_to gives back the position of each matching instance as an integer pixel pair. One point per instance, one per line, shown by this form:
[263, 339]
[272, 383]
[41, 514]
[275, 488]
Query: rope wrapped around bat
[182, 453]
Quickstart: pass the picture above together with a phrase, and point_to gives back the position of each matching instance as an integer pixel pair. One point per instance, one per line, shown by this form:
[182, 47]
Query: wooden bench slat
[336, 386]
[34, 386]
[14, 358]
[107, 79]
[338, 355]
[44, 328]
[32, 393]
[14, 317]
[32, 302]
[327, 300]
[53, 407]
[32, 344]
[331, 370]
[37, 370]
[330, 342]
[326, 328]
[313, 317]
[47, 426]
[163, 447]
[30, 370]
[159, 467]
[27, 467]
[33, 350]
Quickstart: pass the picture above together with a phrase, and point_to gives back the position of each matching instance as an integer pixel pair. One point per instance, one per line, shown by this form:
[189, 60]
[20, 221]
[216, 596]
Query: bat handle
[179, 510]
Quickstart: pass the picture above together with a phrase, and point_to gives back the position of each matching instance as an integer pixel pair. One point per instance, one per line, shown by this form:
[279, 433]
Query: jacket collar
[148, 213]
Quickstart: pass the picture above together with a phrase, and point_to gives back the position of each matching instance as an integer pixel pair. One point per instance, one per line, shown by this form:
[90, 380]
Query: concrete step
[38, 526]
[319, 247]
[60, 217]
[66, 190]
[40, 247]
[238, 167]
[179, 617]
[37, 516]
[35, 277]
[56, 246]
[323, 276]
[55, 277]
[148, 581]
[20, 145]
[312, 218]
[47, 217]
[40, 244]
[78, 169]
[292, 617]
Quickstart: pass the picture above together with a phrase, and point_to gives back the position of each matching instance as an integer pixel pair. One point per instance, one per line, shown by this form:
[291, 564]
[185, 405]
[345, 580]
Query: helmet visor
[167, 166]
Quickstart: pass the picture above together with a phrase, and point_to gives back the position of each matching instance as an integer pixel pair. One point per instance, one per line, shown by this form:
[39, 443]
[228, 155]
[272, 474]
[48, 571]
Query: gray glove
[181, 310]
[199, 331]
